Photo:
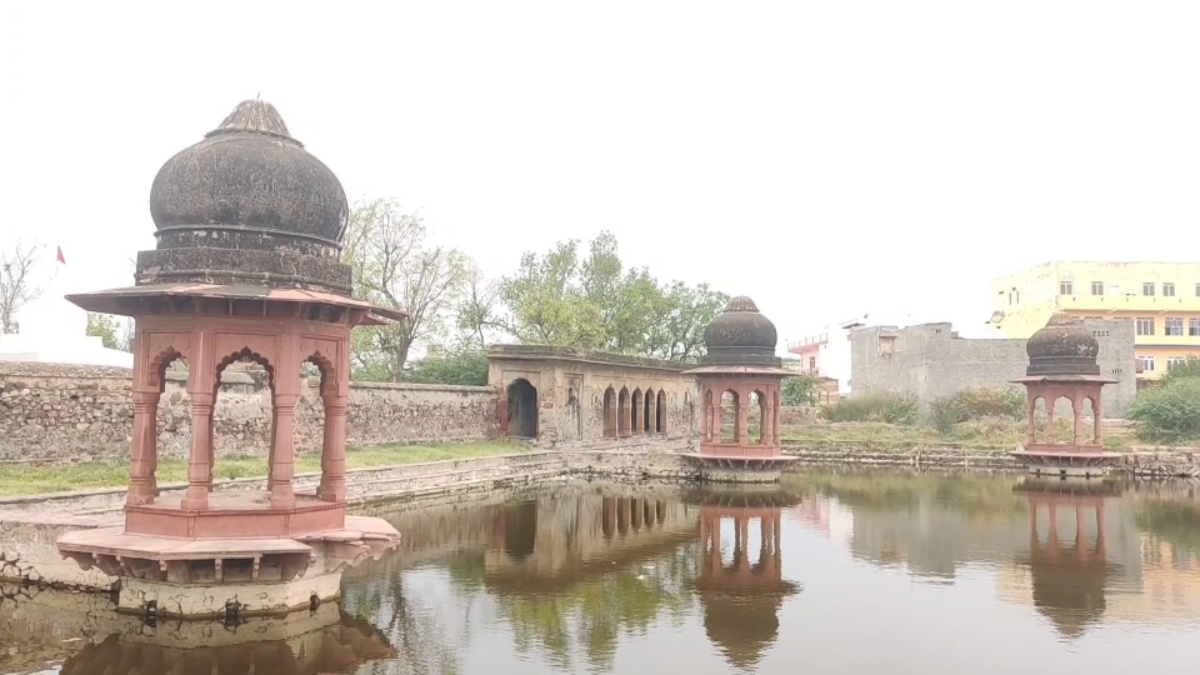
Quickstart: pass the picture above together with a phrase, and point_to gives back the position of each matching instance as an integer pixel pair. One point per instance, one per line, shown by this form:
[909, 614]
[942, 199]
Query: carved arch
[247, 354]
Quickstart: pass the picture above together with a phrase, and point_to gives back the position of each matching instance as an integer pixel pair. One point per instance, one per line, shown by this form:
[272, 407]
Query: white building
[53, 330]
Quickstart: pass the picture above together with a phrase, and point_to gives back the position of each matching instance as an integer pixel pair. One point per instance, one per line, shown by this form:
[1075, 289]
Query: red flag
[61, 259]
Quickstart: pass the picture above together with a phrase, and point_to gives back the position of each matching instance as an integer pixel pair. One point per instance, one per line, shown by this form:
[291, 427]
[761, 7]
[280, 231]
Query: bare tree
[17, 286]
[395, 268]
[478, 307]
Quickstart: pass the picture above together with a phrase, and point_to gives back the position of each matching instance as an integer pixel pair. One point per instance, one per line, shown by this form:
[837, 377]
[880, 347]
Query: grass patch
[29, 479]
[991, 434]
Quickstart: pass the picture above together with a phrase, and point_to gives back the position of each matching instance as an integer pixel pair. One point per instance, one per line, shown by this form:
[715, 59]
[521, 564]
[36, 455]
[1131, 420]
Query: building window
[1173, 326]
[1145, 326]
[1173, 361]
[1148, 288]
[1168, 289]
[1098, 287]
[1066, 288]
[1147, 363]
[1193, 326]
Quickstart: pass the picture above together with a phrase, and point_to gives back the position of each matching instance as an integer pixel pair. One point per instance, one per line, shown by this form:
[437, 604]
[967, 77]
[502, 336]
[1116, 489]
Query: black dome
[248, 205]
[1063, 347]
[250, 174]
[741, 335]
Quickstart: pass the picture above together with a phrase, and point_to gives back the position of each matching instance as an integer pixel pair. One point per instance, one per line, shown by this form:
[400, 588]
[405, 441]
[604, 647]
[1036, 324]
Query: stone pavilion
[247, 267]
[738, 372]
[1062, 365]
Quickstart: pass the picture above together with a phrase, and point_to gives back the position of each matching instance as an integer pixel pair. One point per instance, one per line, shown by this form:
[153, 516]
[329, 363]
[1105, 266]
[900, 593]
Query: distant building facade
[930, 361]
[1162, 300]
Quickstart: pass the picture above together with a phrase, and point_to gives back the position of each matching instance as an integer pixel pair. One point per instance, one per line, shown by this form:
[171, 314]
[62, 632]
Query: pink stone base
[739, 468]
[243, 562]
[1067, 460]
[233, 515]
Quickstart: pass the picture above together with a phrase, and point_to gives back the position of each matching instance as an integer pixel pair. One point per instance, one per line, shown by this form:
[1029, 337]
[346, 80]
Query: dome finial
[1064, 347]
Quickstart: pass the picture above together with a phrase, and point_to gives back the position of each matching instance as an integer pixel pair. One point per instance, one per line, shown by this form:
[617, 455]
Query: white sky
[826, 158]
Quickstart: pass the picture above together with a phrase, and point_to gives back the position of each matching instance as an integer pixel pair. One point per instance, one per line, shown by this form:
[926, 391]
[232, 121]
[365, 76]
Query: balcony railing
[815, 340]
[1130, 303]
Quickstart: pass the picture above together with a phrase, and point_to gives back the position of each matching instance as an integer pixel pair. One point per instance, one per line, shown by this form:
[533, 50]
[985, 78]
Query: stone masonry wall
[929, 361]
[52, 412]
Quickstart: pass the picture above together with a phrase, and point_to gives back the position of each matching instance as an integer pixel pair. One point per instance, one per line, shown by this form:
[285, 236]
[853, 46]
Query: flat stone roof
[592, 356]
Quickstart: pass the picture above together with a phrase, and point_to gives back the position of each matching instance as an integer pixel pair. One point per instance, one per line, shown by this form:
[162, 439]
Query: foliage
[975, 403]
[466, 367]
[395, 267]
[1169, 413]
[799, 390]
[593, 301]
[18, 265]
[888, 408]
[1189, 368]
[28, 479]
[113, 333]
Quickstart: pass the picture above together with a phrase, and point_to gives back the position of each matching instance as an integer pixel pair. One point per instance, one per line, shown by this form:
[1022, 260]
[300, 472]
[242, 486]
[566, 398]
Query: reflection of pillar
[145, 441]
[333, 450]
[622, 516]
[635, 513]
[608, 517]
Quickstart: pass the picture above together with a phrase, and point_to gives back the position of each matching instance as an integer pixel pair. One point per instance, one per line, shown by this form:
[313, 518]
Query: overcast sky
[829, 159]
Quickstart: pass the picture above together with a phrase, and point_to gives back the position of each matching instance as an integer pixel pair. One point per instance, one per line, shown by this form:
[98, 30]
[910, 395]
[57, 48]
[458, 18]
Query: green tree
[18, 266]
[1188, 368]
[1168, 413]
[467, 367]
[799, 390]
[394, 266]
[595, 302]
[105, 327]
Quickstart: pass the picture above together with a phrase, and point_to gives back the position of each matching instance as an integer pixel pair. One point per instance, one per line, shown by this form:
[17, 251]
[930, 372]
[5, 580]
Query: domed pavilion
[738, 372]
[247, 267]
[1062, 365]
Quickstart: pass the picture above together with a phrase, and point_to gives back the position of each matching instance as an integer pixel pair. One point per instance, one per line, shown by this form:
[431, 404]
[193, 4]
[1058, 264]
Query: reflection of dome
[1071, 595]
[1063, 347]
[741, 335]
[742, 627]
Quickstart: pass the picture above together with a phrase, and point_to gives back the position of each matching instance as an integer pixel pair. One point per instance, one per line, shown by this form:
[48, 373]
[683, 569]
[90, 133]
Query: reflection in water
[742, 599]
[1069, 576]
[605, 578]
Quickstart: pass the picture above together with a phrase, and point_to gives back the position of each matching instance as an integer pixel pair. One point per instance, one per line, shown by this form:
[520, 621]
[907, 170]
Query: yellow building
[1162, 299]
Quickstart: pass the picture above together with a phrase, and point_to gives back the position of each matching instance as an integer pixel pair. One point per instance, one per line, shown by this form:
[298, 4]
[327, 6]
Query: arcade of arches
[562, 395]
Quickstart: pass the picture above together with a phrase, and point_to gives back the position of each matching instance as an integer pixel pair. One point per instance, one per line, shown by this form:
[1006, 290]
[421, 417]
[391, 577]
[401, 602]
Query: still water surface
[828, 573]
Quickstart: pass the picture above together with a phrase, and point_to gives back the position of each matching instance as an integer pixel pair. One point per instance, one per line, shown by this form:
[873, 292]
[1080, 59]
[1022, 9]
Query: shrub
[1189, 368]
[1169, 413]
[886, 408]
[974, 404]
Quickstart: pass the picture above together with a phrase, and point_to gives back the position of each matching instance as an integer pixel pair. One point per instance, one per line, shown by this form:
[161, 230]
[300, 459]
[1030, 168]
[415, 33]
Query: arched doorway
[522, 409]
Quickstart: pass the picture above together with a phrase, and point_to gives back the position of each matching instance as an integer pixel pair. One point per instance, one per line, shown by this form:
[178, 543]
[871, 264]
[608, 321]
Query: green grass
[30, 479]
[993, 435]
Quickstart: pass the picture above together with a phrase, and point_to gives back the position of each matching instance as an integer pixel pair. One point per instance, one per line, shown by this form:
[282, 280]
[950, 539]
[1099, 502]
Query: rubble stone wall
[51, 412]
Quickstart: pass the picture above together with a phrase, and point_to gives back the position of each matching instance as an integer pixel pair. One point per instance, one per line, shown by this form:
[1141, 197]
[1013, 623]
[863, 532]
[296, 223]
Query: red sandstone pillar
[1051, 430]
[639, 403]
[652, 413]
[1031, 414]
[776, 434]
[1098, 435]
[283, 468]
[766, 434]
[199, 468]
[333, 450]
[1077, 408]
[743, 417]
[142, 488]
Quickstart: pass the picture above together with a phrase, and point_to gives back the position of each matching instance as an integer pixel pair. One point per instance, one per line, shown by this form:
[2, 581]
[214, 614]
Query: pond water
[827, 573]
